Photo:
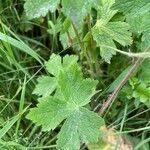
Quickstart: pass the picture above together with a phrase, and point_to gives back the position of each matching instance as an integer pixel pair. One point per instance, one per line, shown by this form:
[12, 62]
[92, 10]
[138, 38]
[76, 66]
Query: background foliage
[96, 42]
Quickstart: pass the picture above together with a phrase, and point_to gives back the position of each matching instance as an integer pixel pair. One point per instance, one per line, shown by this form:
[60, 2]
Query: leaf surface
[49, 113]
[134, 7]
[72, 94]
[37, 8]
[46, 85]
[78, 10]
[82, 124]
[105, 32]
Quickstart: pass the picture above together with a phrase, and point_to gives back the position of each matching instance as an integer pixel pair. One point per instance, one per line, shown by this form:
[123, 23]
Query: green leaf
[39, 8]
[82, 124]
[49, 113]
[78, 10]
[56, 63]
[137, 13]
[105, 12]
[106, 34]
[134, 7]
[72, 94]
[46, 85]
[141, 92]
[72, 83]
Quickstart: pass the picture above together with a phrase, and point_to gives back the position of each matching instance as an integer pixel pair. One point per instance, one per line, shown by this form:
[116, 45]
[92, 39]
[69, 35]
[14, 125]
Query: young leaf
[72, 94]
[39, 8]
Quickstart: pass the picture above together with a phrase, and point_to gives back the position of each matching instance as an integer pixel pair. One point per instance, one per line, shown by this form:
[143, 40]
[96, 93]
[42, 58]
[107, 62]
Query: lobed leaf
[82, 124]
[72, 93]
[56, 63]
[47, 84]
[133, 7]
[49, 113]
[76, 90]
[106, 34]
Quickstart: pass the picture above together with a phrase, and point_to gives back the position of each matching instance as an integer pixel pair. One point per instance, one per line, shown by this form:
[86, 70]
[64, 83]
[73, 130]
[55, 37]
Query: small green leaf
[39, 8]
[46, 85]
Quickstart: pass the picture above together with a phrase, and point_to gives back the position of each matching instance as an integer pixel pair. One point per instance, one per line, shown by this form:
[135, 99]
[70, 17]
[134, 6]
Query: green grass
[24, 46]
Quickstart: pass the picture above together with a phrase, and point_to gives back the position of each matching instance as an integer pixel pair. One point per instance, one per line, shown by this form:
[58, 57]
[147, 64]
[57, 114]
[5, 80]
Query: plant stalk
[120, 85]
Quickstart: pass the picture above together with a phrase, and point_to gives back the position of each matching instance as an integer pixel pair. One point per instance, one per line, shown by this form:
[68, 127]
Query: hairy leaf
[141, 25]
[72, 83]
[82, 124]
[72, 94]
[46, 85]
[105, 12]
[39, 8]
[106, 34]
[49, 113]
[134, 7]
[56, 63]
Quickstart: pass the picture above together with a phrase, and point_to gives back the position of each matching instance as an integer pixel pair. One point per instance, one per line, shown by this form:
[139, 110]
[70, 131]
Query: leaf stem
[120, 85]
